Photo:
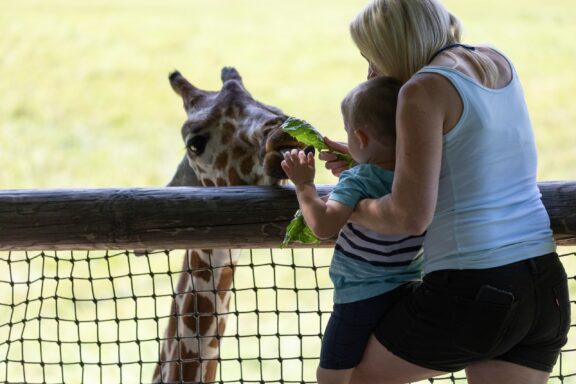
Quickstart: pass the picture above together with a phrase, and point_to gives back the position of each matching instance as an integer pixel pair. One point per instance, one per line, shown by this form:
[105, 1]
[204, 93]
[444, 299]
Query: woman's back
[461, 63]
[488, 211]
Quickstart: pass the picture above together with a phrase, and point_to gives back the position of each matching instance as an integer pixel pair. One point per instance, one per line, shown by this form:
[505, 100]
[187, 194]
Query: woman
[494, 299]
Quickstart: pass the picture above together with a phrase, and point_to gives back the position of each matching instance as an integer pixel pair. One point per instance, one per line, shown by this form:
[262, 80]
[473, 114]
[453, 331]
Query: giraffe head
[230, 138]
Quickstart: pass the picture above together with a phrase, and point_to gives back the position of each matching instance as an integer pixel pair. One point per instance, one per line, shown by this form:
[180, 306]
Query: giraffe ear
[230, 73]
[232, 81]
[182, 87]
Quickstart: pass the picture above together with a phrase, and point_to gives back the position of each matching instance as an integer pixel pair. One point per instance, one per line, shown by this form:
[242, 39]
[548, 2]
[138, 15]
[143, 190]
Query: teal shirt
[365, 263]
[489, 211]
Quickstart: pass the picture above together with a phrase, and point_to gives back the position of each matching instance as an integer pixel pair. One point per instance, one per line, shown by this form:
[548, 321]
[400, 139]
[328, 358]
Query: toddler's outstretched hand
[299, 167]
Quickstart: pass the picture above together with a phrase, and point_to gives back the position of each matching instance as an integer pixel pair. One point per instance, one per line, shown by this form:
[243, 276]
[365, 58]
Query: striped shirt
[365, 263]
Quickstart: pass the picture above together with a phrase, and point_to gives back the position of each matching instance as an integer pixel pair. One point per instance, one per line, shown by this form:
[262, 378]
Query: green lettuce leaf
[305, 133]
[298, 231]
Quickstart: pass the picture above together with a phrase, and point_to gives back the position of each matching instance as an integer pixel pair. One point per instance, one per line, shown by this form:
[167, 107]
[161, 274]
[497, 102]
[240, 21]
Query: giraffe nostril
[310, 149]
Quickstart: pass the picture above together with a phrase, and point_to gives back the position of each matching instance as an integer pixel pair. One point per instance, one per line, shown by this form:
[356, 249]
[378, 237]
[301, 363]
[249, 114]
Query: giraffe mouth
[277, 144]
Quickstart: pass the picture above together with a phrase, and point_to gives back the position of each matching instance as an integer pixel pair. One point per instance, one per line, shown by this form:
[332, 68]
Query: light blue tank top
[489, 211]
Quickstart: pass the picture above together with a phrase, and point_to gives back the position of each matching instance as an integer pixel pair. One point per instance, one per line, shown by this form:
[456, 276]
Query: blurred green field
[85, 101]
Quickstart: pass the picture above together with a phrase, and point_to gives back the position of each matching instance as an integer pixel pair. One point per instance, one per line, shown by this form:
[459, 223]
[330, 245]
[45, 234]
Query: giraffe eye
[197, 144]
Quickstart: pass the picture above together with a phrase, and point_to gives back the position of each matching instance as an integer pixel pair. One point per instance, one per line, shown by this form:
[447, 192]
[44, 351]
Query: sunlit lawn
[85, 101]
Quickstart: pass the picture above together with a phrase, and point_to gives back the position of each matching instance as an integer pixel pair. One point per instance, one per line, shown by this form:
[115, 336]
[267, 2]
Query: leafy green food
[305, 133]
[298, 231]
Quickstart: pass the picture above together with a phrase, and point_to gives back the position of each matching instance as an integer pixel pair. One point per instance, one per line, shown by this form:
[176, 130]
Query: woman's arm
[325, 218]
[409, 208]
[332, 163]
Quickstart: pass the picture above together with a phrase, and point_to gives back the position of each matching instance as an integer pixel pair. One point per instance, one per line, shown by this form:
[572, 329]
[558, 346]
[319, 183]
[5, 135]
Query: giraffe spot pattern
[189, 320]
[199, 268]
[221, 161]
[206, 317]
[237, 152]
[226, 277]
[234, 178]
[214, 343]
[227, 132]
[207, 183]
[247, 165]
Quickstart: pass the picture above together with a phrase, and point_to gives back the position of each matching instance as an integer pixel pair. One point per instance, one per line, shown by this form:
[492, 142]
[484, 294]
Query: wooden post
[183, 217]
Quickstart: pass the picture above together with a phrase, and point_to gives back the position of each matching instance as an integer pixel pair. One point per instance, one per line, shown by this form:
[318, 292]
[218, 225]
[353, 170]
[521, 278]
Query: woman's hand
[333, 164]
[299, 167]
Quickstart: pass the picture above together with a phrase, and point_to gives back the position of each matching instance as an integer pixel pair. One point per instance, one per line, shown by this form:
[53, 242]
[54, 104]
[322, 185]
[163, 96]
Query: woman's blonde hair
[399, 37]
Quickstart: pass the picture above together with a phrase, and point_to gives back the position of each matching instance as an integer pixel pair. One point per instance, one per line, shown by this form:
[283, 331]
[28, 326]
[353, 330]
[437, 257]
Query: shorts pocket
[480, 323]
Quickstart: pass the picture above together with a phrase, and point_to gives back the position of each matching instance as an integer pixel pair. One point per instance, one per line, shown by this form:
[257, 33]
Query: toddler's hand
[299, 167]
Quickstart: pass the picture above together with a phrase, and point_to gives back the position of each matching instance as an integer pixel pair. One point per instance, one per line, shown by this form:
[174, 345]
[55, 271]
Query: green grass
[85, 101]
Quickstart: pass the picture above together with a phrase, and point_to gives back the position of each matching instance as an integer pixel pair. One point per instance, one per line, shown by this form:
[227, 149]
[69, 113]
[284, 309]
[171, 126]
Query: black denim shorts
[351, 325]
[519, 313]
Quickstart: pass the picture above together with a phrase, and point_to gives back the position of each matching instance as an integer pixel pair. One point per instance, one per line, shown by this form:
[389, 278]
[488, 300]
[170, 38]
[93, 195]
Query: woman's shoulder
[430, 99]
[463, 64]
[424, 89]
[422, 84]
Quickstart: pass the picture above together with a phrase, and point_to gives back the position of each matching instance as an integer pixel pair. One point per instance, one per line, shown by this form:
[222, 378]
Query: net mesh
[100, 316]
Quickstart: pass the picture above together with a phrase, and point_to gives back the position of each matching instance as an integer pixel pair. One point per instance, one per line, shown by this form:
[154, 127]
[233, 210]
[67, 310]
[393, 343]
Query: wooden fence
[77, 307]
[184, 217]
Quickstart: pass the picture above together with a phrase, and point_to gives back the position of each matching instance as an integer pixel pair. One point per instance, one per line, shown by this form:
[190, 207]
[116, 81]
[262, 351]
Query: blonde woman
[494, 299]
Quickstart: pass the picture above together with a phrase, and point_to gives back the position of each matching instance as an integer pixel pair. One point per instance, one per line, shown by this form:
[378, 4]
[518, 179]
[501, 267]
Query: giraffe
[231, 139]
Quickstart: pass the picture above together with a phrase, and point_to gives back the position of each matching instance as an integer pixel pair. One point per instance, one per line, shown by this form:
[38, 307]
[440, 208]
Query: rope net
[100, 316]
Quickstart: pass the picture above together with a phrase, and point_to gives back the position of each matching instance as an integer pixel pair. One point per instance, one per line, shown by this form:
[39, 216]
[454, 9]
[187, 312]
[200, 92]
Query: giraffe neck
[192, 342]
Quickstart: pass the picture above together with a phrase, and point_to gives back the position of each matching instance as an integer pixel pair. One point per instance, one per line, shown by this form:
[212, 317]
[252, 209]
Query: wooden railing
[184, 217]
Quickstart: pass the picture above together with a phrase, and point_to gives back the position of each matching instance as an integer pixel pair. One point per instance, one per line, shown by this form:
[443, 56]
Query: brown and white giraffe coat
[231, 139]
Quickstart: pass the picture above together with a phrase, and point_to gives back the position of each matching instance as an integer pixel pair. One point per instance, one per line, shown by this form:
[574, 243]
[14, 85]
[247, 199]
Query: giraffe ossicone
[231, 139]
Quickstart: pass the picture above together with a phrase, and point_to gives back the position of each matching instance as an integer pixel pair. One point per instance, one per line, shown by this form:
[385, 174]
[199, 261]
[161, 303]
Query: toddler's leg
[347, 333]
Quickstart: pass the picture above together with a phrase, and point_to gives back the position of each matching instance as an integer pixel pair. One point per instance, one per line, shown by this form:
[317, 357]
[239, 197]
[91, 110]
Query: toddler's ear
[361, 137]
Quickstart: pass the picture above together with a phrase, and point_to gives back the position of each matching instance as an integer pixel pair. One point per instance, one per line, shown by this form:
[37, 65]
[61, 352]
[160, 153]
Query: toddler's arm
[325, 219]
